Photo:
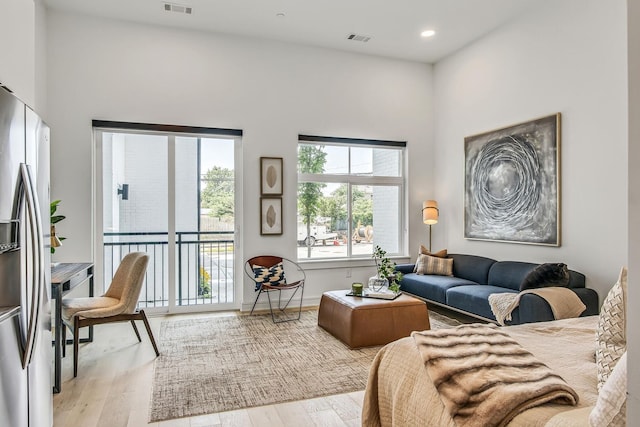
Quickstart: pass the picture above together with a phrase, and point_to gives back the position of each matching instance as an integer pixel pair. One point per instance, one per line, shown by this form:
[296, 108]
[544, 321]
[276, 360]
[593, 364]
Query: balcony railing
[204, 266]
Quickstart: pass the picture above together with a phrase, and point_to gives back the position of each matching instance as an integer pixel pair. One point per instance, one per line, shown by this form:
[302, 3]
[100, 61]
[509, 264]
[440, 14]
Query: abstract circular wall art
[512, 183]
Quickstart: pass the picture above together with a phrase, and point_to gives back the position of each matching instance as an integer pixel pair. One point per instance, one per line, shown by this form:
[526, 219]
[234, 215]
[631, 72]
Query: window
[350, 197]
[169, 191]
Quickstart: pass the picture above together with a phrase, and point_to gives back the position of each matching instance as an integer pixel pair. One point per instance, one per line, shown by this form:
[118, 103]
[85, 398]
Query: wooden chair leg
[135, 328]
[76, 341]
[146, 325]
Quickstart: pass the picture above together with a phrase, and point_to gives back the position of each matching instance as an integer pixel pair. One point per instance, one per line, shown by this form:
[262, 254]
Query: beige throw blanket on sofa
[484, 377]
[564, 303]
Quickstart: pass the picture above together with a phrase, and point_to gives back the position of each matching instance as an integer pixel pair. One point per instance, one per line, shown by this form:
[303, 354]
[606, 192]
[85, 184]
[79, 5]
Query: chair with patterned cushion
[276, 274]
[118, 304]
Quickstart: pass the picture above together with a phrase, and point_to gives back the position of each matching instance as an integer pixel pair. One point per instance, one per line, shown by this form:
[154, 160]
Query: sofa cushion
[434, 265]
[509, 274]
[474, 299]
[472, 267]
[545, 275]
[431, 287]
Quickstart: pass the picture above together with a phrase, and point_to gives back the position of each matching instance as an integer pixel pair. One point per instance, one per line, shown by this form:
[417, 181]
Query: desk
[64, 278]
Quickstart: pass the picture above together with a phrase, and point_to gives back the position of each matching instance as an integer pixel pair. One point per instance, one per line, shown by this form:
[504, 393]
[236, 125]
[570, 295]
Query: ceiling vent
[358, 38]
[178, 8]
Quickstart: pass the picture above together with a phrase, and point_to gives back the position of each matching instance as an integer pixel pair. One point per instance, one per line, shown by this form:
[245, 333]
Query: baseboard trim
[308, 303]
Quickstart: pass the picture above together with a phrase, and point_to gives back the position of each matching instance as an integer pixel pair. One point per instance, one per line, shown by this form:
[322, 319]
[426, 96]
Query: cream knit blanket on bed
[564, 303]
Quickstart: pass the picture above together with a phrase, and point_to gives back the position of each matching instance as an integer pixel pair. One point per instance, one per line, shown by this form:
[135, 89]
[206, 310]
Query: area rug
[218, 364]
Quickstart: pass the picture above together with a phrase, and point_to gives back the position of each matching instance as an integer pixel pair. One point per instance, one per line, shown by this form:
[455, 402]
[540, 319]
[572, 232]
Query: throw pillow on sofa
[546, 275]
[424, 251]
[427, 264]
[611, 336]
[439, 254]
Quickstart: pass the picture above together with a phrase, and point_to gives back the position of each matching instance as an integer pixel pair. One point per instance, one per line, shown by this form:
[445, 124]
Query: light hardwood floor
[113, 389]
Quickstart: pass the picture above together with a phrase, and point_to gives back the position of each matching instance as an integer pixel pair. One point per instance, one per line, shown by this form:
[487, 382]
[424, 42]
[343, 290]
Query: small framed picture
[271, 176]
[270, 216]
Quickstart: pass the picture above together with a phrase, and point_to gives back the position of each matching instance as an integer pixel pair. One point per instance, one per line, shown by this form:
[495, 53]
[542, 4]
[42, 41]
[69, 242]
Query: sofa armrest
[590, 298]
[535, 309]
[405, 268]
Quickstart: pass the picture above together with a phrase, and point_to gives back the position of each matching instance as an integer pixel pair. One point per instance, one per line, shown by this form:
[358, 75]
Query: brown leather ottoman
[363, 322]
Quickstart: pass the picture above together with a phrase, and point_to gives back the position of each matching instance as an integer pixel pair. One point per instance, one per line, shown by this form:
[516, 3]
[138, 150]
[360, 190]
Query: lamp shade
[430, 212]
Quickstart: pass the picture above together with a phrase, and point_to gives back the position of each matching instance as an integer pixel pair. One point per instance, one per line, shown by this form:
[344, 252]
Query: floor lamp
[430, 213]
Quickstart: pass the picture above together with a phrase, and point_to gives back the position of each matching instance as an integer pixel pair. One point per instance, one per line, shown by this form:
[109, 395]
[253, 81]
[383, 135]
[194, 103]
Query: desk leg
[57, 385]
[90, 294]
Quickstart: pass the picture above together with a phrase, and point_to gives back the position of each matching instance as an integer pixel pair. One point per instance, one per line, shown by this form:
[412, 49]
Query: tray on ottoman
[376, 295]
[363, 322]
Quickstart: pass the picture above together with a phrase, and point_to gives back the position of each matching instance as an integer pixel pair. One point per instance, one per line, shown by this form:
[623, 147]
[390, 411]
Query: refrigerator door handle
[35, 228]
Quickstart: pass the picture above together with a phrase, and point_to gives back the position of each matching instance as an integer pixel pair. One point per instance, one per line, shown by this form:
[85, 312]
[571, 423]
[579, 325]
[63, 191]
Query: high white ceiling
[393, 25]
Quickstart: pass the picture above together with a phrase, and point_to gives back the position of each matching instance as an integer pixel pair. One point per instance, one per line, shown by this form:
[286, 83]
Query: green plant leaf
[54, 219]
[53, 206]
[57, 218]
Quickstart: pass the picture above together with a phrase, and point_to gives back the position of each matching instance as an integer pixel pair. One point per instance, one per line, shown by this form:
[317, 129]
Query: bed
[400, 393]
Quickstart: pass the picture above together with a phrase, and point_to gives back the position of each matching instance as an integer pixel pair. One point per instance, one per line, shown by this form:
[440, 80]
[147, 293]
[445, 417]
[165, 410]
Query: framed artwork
[270, 216]
[512, 183]
[271, 176]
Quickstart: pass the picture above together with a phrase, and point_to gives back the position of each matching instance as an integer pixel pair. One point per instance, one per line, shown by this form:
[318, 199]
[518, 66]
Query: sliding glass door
[173, 196]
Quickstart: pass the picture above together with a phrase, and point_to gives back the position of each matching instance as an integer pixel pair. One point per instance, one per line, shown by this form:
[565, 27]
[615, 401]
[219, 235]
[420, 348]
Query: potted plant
[54, 220]
[387, 274]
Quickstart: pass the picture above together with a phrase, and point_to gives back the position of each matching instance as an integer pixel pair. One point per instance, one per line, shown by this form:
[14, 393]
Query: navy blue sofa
[475, 278]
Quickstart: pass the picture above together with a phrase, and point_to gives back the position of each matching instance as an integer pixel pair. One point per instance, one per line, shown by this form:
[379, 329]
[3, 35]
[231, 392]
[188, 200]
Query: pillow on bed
[545, 275]
[424, 251]
[610, 409]
[427, 264]
[611, 338]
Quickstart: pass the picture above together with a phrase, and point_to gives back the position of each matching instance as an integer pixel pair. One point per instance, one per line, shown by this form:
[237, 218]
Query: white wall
[633, 343]
[17, 62]
[568, 57]
[40, 59]
[101, 69]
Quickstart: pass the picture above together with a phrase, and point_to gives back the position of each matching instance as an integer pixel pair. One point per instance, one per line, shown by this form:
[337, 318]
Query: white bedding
[400, 393]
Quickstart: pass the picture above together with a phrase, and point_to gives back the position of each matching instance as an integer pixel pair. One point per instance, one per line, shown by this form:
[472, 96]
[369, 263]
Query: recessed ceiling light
[280, 15]
[428, 33]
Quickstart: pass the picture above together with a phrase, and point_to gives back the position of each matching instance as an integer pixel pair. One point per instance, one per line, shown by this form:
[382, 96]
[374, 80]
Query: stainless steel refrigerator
[25, 273]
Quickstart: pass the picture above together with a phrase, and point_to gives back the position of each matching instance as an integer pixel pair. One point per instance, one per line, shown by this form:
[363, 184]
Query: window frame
[358, 179]
[172, 132]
